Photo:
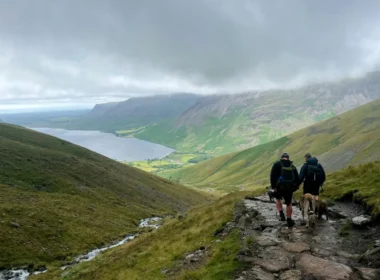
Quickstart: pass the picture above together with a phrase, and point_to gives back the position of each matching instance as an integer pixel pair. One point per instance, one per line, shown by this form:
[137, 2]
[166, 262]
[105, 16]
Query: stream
[23, 274]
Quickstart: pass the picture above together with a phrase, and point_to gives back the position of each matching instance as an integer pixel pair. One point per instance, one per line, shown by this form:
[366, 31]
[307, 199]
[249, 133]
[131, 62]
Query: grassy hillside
[363, 181]
[164, 250]
[66, 199]
[348, 139]
[219, 124]
[147, 256]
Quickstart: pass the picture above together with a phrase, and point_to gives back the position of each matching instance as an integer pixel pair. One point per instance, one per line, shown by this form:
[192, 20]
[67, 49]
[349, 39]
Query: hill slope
[178, 238]
[347, 139]
[225, 123]
[134, 113]
[58, 199]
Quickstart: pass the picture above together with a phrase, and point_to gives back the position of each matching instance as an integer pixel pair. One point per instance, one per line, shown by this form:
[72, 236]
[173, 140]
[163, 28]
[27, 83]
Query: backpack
[287, 177]
[314, 173]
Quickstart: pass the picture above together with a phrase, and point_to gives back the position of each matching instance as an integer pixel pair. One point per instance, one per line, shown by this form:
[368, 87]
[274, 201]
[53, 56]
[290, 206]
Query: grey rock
[14, 224]
[361, 220]
[267, 240]
[190, 256]
[271, 265]
[377, 243]
[291, 275]
[369, 273]
[347, 255]
[321, 268]
[245, 252]
[260, 274]
[317, 239]
[372, 252]
[244, 222]
[298, 247]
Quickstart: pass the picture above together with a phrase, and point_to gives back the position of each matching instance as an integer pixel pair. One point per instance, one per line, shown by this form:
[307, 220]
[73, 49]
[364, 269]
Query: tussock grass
[361, 181]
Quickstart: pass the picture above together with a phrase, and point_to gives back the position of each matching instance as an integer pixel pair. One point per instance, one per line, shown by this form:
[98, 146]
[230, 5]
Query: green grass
[349, 139]
[363, 181]
[148, 255]
[68, 199]
[174, 161]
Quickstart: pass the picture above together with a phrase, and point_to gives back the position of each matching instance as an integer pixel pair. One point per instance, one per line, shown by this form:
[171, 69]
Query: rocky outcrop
[279, 252]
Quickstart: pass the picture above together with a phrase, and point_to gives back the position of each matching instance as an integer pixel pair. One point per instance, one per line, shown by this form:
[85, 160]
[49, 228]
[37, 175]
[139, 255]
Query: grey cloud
[85, 51]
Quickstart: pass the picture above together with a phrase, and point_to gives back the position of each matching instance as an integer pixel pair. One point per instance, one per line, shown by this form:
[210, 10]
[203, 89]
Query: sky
[72, 54]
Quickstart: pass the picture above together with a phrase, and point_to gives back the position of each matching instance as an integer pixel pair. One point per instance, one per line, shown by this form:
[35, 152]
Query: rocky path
[273, 251]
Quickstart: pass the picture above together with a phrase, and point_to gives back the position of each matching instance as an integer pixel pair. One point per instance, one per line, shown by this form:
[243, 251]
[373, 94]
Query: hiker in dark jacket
[284, 181]
[312, 175]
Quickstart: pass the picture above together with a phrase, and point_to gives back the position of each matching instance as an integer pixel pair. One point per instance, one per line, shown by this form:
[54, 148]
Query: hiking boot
[282, 216]
[290, 222]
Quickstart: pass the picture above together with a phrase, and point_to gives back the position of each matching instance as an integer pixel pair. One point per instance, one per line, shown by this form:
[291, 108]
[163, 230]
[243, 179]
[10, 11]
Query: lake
[109, 145]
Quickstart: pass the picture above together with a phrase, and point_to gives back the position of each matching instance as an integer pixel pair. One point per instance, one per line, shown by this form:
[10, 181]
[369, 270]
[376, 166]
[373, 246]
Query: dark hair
[285, 155]
[308, 156]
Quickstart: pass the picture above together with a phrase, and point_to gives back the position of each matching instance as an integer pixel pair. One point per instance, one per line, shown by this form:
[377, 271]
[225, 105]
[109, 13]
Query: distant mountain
[219, 124]
[349, 139]
[58, 199]
[225, 123]
[135, 112]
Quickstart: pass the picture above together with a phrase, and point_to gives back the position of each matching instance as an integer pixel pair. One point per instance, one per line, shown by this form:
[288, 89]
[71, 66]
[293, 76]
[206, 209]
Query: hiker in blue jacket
[312, 175]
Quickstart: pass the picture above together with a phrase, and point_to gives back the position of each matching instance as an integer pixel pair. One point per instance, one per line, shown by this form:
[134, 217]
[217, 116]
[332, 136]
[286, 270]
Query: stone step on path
[297, 253]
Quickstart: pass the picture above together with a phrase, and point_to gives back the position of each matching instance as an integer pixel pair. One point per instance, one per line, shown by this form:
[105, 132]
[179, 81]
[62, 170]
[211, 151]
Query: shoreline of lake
[107, 144]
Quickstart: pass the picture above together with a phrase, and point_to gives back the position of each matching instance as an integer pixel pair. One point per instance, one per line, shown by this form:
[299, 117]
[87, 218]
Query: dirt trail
[273, 251]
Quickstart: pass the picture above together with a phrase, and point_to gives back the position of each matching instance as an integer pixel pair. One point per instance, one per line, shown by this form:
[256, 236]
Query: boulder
[298, 247]
[369, 273]
[267, 240]
[321, 268]
[272, 266]
[291, 275]
[245, 252]
[377, 243]
[258, 273]
[14, 224]
[361, 220]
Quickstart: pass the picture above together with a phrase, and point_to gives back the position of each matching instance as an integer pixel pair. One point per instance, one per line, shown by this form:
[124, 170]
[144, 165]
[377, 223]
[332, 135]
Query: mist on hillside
[81, 53]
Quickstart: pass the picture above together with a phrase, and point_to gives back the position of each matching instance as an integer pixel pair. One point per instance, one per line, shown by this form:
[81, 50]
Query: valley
[352, 138]
[59, 200]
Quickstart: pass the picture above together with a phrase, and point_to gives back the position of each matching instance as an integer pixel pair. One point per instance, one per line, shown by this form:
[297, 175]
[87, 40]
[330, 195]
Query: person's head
[307, 156]
[285, 156]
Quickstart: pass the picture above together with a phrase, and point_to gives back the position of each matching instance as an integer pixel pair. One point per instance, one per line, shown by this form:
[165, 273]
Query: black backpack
[287, 175]
[314, 173]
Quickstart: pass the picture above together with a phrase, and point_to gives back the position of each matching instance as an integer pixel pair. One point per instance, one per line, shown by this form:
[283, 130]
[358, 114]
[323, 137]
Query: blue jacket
[303, 172]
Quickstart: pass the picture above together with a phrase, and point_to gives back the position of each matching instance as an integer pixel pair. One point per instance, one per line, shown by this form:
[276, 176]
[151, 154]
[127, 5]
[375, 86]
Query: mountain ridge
[349, 139]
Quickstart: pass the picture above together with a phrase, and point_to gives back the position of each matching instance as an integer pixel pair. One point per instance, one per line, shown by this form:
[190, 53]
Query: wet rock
[245, 252]
[14, 224]
[377, 243]
[369, 273]
[361, 220]
[271, 265]
[190, 256]
[322, 252]
[298, 247]
[41, 268]
[347, 255]
[244, 222]
[266, 240]
[260, 274]
[317, 239]
[322, 269]
[291, 275]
